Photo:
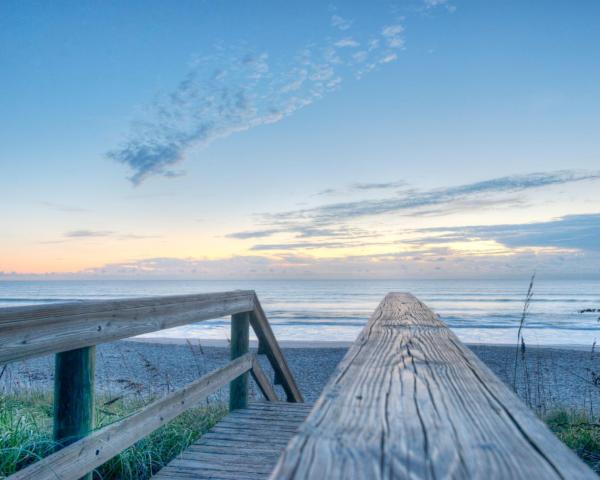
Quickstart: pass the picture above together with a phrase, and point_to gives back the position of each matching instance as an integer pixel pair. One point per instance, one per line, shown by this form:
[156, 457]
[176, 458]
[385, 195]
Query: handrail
[69, 328]
[409, 400]
[27, 332]
[97, 448]
[268, 345]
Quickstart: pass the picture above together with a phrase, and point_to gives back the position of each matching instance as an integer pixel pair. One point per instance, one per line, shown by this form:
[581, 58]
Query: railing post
[74, 395]
[238, 388]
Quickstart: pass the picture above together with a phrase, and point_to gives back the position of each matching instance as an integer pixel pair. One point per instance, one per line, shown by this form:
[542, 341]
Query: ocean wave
[35, 300]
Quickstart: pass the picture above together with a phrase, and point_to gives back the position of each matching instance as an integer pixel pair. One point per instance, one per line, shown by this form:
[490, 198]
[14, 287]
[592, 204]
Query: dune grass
[26, 435]
[578, 429]
[579, 432]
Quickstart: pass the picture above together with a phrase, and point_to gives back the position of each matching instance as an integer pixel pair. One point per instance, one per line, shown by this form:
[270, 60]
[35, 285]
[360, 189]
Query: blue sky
[243, 138]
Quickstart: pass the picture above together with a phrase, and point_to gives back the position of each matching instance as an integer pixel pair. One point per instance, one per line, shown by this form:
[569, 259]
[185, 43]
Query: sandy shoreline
[550, 377]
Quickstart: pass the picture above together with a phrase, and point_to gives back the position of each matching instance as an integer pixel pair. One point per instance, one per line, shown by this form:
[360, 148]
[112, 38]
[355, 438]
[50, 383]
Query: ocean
[478, 311]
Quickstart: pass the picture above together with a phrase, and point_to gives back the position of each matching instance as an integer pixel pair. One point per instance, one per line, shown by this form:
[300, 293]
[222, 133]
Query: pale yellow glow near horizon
[387, 234]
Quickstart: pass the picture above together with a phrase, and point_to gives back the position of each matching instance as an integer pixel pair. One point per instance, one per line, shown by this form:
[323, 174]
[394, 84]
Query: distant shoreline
[212, 342]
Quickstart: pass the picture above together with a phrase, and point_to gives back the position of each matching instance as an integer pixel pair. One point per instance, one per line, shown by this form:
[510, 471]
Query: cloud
[88, 233]
[298, 246]
[84, 233]
[340, 22]
[347, 42]
[429, 4]
[330, 223]
[580, 232]
[421, 263]
[357, 187]
[252, 234]
[306, 231]
[376, 186]
[434, 202]
[237, 89]
[389, 58]
[393, 35]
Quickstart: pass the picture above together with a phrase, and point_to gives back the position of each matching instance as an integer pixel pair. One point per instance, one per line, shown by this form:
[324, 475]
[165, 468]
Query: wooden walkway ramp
[244, 445]
[408, 401]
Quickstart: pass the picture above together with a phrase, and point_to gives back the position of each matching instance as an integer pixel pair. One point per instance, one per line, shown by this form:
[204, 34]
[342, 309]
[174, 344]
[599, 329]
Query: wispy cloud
[429, 4]
[88, 233]
[235, 90]
[340, 22]
[393, 35]
[580, 232]
[253, 234]
[364, 186]
[437, 201]
[297, 246]
[332, 223]
[347, 42]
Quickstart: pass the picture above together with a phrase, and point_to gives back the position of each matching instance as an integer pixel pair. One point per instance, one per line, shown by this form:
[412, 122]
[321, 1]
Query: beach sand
[554, 376]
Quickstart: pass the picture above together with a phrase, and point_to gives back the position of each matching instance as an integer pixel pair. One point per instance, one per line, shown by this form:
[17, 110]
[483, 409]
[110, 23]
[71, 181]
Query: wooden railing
[409, 400]
[71, 331]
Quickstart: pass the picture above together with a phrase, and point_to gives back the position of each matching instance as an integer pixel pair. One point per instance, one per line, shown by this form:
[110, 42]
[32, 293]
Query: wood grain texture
[244, 445]
[269, 346]
[90, 452]
[262, 382]
[34, 331]
[410, 401]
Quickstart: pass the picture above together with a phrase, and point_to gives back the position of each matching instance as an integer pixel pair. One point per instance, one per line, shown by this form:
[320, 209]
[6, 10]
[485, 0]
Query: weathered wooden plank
[239, 446]
[274, 406]
[269, 345]
[90, 452]
[184, 473]
[34, 331]
[410, 401]
[234, 448]
[288, 420]
[262, 382]
[192, 473]
[251, 451]
[247, 438]
[261, 424]
[257, 434]
[228, 458]
[219, 464]
[276, 414]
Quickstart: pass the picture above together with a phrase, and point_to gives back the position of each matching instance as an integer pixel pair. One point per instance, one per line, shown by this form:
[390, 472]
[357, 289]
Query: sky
[263, 139]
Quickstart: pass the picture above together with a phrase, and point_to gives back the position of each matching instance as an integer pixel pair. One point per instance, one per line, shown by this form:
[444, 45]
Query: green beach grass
[579, 432]
[26, 435]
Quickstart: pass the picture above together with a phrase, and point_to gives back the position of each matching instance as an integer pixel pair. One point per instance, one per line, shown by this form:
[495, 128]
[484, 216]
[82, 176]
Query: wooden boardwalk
[245, 444]
[408, 400]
